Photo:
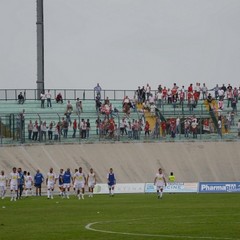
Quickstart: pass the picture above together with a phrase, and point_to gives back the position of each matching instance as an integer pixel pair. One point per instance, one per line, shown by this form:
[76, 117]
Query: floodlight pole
[40, 48]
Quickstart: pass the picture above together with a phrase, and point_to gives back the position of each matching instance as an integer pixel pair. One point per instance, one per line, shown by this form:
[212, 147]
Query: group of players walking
[19, 181]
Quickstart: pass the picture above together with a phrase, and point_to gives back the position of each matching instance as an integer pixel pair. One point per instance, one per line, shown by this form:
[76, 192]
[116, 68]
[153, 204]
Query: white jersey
[91, 179]
[51, 177]
[160, 179]
[3, 180]
[28, 181]
[13, 179]
[79, 177]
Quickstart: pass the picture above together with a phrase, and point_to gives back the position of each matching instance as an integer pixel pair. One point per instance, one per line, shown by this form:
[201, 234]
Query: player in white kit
[28, 184]
[50, 182]
[91, 181]
[74, 187]
[13, 182]
[79, 182]
[3, 184]
[160, 182]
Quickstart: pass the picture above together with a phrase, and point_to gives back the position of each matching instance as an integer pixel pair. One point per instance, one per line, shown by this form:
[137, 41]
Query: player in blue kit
[111, 182]
[67, 179]
[60, 182]
[38, 179]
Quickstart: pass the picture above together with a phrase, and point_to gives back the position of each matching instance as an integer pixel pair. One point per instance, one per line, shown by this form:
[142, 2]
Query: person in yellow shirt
[171, 178]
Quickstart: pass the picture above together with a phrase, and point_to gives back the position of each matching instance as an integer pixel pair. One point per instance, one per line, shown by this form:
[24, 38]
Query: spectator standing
[83, 127]
[194, 125]
[65, 128]
[143, 94]
[147, 129]
[229, 96]
[186, 127]
[88, 126]
[50, 131]
[74, 128]
[98, 103]
[159, 97]
[68, 117]
[235, 94]
[42, 98]
[164, 128]
[35, 131]
[30, 130]
[44, 131]
[148, 91]
[181, 97]
[49, 97]
[164, 94]
[204, 91]
[69, 106]
[97, 122]
[97, 90]
[79, 108]
[216, 89]
[57, 131]
[156, 132]
[129, 130]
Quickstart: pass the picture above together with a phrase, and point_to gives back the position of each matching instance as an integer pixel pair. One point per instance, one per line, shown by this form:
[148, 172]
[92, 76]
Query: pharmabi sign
[219, 187]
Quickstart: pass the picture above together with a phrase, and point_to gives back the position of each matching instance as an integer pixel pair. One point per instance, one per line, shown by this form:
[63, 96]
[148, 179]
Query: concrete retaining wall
[132, 162]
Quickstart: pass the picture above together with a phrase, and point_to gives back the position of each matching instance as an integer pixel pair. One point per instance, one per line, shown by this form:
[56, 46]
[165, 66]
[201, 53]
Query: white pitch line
[90, 228]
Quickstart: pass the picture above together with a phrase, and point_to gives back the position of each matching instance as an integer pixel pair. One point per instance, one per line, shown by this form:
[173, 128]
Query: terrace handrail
[70, 94]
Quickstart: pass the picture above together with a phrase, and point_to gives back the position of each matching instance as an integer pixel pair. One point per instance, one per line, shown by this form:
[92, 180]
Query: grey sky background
[121, 44]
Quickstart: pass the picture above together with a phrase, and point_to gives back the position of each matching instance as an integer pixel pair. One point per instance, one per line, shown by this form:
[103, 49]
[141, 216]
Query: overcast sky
[121, 44]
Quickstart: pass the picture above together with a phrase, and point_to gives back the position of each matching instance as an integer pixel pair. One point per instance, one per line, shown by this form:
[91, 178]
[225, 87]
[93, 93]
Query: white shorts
[159, 186]
[79, 185]
[28, 185]
[66, 185]
[13, 187]
[50, 185]
[91, 184]
[60, 185]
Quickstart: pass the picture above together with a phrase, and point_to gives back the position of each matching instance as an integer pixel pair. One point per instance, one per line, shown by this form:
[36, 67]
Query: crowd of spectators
[144, 100]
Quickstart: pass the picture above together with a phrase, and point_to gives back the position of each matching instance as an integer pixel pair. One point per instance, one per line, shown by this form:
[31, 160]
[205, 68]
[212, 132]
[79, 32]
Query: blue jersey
[111, 179]
[67, 177]
[20, 179]
[38, 179]
[60, 179]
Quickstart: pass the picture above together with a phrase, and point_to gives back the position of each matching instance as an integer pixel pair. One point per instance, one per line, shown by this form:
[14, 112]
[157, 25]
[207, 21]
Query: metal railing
[70, 94]
[14, 129]
[67, 94]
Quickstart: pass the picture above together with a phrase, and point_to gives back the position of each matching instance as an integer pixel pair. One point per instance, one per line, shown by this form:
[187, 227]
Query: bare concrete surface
[132, 162]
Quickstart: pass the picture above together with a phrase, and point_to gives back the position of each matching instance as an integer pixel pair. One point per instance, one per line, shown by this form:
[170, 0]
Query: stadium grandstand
[119, 115]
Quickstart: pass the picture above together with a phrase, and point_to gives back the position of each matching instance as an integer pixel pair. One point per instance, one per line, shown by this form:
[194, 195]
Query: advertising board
[219, 187]
[177, 187]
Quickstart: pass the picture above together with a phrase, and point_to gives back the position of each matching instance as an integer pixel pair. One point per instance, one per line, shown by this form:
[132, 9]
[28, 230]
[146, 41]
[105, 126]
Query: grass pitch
[124, 216]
